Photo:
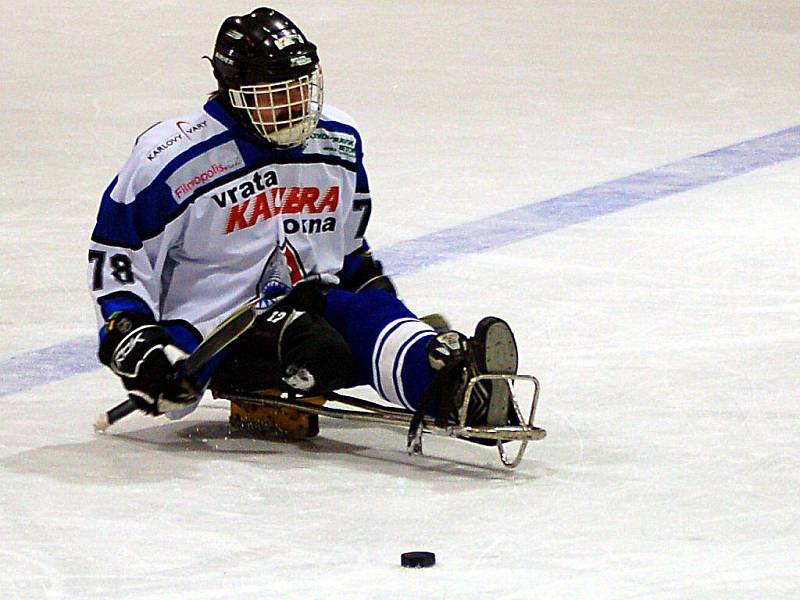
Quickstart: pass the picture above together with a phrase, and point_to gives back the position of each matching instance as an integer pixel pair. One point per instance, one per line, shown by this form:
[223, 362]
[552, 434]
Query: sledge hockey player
[263, 191]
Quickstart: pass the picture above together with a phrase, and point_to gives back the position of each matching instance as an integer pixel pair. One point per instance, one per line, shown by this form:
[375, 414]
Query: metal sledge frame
[372, 412]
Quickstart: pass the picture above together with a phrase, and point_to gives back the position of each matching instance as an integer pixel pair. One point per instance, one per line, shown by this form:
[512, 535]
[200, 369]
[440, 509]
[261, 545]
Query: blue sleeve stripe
[115, 225]
[128, 225]
[123, 301]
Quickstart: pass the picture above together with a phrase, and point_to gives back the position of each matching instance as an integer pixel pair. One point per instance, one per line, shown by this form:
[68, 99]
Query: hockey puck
[417, 560]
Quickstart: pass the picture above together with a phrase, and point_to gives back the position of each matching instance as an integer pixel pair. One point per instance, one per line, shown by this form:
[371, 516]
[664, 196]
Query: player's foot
[492, 349]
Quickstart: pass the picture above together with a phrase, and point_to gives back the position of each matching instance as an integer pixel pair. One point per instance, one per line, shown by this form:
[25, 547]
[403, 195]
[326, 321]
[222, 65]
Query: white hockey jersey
[189, 224]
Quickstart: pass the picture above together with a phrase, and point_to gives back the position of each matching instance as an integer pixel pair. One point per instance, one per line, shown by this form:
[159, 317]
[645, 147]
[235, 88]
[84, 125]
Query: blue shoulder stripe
[127, 225]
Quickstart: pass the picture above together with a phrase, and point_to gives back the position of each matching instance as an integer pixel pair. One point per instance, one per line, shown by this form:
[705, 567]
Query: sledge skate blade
[524, 432]
[373, 412]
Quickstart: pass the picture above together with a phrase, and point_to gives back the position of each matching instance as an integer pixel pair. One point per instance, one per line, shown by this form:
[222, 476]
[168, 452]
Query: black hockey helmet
[262, 46]
[269, 76]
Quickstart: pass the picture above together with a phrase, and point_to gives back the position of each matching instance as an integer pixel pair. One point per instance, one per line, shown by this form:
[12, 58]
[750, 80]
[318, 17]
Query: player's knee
[306, 354]
[315, 357]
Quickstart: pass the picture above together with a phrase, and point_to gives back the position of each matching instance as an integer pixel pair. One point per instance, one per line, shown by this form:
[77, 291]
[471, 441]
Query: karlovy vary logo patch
[185, 131]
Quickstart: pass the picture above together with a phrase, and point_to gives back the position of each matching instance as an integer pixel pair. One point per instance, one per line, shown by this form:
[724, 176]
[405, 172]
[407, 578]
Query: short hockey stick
[225, 334]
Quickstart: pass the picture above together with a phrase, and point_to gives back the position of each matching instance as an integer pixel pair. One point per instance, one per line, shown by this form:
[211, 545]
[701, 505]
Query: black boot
[494, 350]
[457, 359]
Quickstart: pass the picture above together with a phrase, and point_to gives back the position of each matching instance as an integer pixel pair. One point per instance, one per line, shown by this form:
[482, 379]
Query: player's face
[284, 112]
[279, 107]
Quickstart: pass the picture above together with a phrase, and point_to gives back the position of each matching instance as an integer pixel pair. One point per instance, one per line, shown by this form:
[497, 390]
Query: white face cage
[284, 113]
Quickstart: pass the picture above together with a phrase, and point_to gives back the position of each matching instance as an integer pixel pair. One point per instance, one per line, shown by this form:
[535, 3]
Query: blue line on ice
[48, 365]
[531, 220]
[54, 363]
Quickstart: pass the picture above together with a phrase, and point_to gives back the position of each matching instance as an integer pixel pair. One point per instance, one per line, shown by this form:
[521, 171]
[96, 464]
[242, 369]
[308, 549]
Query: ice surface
[666, 335]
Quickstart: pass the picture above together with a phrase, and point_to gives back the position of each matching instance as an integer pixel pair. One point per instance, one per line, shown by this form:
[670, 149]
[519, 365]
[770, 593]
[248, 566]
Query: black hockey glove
[368, 275]
[310, 294]
[142, 354]
[307, 295]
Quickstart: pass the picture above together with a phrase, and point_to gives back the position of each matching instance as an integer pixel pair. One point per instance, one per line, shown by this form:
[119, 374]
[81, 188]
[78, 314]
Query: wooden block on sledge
[275, 422]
